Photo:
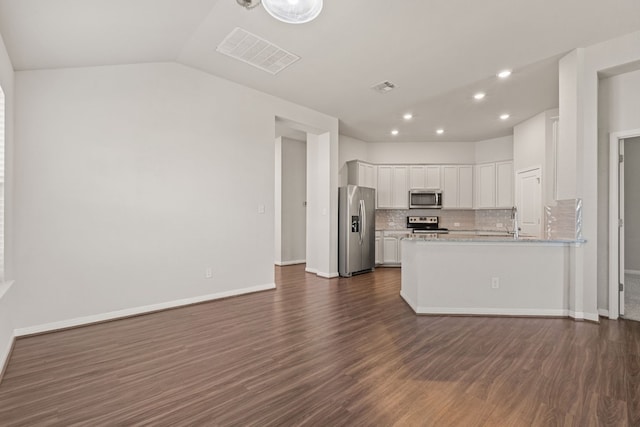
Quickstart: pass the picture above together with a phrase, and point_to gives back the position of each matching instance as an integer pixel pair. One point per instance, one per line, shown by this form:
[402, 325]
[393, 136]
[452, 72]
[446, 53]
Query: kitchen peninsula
[487, 275]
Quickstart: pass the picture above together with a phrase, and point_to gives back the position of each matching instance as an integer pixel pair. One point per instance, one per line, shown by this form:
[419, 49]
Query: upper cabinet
[457, 187]
[483, 186]
[504, 184]
[494, 185]
[425, 176]
[362, 173]
[393, 187]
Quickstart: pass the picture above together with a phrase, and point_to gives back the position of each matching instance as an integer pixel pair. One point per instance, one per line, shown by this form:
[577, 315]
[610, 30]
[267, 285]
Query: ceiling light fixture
[504, 116]
[293, 11]
[395, 132]
[248, 4]
[504, 74]
[408, 116]
[479, 95]
[440, 131]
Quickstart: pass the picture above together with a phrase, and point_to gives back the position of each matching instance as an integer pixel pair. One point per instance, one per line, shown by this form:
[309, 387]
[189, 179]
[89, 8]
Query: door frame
[615, 214]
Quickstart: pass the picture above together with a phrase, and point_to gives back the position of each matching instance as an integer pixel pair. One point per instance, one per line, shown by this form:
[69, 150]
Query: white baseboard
[321, 273]
[579, 315]
[4, 356]
[603, 313]
[86, 320]
[294, 262]
[632, 272]
[408, 301]
[480, 311]
[327, 275]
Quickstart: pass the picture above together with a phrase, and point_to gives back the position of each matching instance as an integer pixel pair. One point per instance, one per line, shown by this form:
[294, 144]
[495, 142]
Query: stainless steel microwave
[425, 199]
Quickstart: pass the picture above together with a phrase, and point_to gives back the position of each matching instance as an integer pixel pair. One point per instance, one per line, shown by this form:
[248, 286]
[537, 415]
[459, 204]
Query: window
[2, 129]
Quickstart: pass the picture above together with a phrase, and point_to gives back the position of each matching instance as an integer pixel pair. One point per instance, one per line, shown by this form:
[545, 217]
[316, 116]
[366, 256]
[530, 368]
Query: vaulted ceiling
[437, 53]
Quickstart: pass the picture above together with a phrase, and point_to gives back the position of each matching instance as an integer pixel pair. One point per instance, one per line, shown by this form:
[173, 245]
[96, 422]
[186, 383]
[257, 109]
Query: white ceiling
[437, 53]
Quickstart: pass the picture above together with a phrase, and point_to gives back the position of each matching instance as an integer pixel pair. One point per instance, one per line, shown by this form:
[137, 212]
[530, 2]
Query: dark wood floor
[326, 352]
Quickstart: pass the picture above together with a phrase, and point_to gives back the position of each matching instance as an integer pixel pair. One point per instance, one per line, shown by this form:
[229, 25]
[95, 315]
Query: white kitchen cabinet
[457, 187]
[486, 186]
[390, 250]
[362, 173]
[504, 184]
[465, 187]
[424, 176]
[391, 247]
[379, 248]
[494, 185]
[393, 190]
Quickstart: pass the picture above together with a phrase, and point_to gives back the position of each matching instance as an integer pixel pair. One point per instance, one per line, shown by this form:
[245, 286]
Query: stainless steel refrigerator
[356, 230]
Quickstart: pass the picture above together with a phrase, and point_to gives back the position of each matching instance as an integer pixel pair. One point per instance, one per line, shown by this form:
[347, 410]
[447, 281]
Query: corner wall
[7, 299]
[579, 155]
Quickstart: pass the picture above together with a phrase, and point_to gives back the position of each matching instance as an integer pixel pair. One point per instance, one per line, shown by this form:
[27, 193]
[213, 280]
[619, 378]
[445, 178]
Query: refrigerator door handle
[363, 219]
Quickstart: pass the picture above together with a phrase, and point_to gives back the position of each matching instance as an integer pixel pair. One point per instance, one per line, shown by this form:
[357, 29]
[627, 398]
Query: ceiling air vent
[384, 87]
[254, 50]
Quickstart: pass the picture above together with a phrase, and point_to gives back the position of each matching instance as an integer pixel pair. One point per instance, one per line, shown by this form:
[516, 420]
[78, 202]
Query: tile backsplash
[564, 220]
[396, 219]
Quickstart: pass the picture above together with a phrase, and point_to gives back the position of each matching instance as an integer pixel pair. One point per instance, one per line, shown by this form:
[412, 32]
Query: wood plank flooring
[340, 352]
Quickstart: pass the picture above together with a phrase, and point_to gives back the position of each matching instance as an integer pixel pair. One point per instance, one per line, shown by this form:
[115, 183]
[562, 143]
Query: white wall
[130, 180]
[580, 157]
[494, 150]
[350, 149]
[294, 195]
[532, 148]
[490, 150]
[422, 152]
[7, 298]
[529, 143]
[618, 104]
[632, 203]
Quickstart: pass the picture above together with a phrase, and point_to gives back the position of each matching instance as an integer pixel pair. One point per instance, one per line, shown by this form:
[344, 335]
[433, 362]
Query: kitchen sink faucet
[516, 227]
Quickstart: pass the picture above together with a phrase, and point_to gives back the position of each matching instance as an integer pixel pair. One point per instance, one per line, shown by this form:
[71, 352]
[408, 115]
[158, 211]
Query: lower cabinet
[388, 247]
[378, 247]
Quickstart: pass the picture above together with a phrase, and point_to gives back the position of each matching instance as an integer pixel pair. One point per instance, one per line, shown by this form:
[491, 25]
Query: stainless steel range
[425, 224]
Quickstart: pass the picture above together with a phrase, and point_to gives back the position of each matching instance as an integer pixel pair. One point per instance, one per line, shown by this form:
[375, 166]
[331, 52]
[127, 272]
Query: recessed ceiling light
[504, 116]
[395, 132]
[504, 74]
[408, 116]
[440, 131]
[479, 95]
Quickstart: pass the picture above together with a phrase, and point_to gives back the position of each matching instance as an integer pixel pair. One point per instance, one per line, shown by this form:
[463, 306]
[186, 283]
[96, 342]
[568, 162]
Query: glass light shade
[293, 11]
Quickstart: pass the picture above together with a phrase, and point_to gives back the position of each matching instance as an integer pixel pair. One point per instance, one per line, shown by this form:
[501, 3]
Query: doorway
[624, 228]
[291, 197]
[630, 231]
[529, 201]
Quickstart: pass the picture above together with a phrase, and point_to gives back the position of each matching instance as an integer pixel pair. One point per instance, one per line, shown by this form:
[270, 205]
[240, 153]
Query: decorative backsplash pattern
[487, 220]
[564, 221]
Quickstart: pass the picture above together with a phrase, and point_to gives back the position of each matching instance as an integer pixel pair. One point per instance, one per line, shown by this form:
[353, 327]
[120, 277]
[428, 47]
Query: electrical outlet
[499, 225]
[261, 209]
[495, 283]
[208, 273]
[456, 224]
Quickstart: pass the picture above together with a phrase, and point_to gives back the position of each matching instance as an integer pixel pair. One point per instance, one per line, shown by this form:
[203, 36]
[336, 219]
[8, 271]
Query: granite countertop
[475, 238]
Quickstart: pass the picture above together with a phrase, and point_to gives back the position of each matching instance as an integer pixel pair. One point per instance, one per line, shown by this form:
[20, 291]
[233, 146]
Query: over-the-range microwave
[425, 199]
